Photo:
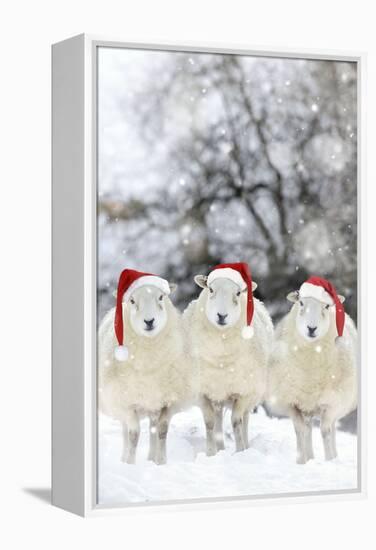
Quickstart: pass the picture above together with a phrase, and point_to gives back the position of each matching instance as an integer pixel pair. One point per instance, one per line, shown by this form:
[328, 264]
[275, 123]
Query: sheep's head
[147, 310]
[223, 301]
[313, 318]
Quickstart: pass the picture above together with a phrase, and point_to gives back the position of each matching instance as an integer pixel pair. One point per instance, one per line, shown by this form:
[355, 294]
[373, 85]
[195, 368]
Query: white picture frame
[74, 173]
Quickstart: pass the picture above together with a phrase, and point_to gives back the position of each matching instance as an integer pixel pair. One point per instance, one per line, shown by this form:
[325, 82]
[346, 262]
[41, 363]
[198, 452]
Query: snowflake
[314, 107]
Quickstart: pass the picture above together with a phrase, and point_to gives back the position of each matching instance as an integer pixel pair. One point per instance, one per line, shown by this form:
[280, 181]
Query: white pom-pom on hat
[121, 353]
[341, 342]
[247, 332]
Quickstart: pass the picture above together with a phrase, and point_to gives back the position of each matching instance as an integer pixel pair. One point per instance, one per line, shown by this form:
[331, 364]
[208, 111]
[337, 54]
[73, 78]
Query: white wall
[27, 30]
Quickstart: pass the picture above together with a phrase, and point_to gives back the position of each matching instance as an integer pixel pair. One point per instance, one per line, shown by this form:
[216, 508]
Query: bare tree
[258, 164]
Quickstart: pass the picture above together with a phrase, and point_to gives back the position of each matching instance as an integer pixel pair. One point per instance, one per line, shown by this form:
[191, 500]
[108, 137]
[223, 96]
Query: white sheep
[312, 372]
[156, 380]
[231, 366]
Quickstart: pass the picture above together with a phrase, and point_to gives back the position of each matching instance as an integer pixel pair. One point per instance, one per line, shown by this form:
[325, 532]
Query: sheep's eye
[238, 293]
[301, 303]
[327, 306]
[160, 297]
[211, 290]
[132, 301]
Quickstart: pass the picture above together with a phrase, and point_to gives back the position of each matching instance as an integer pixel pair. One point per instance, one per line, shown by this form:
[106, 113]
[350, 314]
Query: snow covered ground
[267, 467]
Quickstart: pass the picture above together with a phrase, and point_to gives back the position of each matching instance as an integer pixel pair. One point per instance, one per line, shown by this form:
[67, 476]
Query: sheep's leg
[125, 441]
[153, 437]
[308, 437]
[334, 442]
[300, 431]
[245, 429]
[218, 426]
[238, 409]
[133, 424]
[162, 430]
[209, 419]
[327, 426]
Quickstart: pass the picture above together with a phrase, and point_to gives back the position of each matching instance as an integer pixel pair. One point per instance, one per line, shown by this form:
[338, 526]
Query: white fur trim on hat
[308, 290]
[146, 280]
[227, 273]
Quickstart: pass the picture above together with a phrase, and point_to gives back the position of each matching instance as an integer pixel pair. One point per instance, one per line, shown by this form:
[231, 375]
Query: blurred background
[204, 159]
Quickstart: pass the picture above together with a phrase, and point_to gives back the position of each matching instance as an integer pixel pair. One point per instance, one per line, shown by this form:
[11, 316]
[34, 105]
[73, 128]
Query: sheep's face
[223, 301]
[312, 317]
[147, 311]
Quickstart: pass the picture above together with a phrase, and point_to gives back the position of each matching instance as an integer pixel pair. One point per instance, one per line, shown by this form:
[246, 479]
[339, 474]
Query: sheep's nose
[149, 323]
[311, 331]
[221, 318]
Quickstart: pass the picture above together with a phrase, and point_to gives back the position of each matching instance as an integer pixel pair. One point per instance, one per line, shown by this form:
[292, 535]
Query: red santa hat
[129, 280]
[324, 291]
[240, 274]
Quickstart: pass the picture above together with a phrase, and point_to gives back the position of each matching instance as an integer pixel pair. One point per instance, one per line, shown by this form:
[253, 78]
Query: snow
[267, 467]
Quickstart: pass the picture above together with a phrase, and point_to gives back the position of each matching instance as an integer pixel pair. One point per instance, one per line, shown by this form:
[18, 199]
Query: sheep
[231, 369]
[155, 381]
[312, 372]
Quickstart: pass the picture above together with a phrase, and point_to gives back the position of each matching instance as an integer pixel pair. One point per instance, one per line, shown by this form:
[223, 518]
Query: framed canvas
[207, 275]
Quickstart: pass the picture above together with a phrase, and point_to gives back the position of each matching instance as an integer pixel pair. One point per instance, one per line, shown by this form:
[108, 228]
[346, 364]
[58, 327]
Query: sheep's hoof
[329, 458]
[301, 460]
[160, 461]
[211, 452]
[128, 459]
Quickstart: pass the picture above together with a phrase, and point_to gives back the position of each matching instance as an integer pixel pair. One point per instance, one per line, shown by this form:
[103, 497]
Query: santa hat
[129, 280]
[240, 274]
[323, 291]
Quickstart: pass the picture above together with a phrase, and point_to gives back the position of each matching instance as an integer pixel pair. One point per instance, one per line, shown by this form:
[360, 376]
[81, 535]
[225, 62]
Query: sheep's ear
[200, 280]
[254, 286]
[293, 296]
[341, 298]
[173, 287]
